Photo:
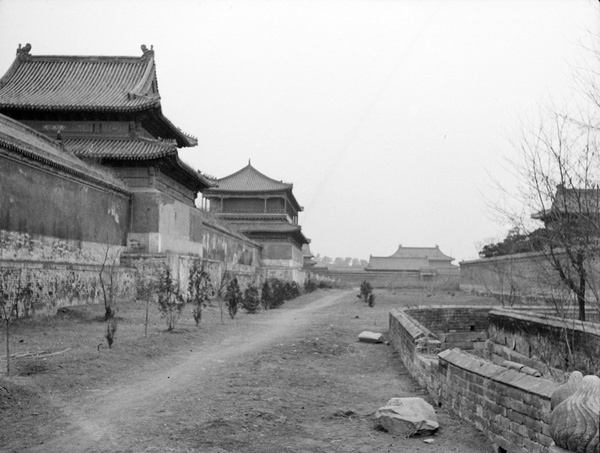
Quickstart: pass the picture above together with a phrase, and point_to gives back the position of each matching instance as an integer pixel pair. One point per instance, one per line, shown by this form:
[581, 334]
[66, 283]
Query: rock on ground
[408, 417]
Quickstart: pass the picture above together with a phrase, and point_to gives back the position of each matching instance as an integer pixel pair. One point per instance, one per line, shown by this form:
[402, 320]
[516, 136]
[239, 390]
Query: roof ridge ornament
[145, 49]
[24, 50]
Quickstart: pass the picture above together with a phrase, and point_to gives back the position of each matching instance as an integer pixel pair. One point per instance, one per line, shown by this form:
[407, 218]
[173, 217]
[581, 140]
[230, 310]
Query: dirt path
[290, 380]
[109, 420]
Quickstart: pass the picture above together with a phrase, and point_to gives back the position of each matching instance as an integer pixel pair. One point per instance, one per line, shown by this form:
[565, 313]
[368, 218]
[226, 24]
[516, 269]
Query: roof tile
[141, 149]
[78, 83]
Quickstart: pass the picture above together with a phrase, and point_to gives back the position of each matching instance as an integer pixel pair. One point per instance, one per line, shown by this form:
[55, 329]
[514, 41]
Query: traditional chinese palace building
[427, 262]
[266, 211]
[105, 112]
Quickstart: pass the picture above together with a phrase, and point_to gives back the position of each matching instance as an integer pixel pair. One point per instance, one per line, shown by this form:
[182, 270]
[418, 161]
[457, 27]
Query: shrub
[278, 291]
[233, 296]
[251, 301]
[275, 292]
[292, 290]
[170, 300]
[310, 285]
[266, 296]
[199, 289]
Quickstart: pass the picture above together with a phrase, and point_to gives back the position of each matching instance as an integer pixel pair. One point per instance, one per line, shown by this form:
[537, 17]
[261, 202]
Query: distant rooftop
[411, 259]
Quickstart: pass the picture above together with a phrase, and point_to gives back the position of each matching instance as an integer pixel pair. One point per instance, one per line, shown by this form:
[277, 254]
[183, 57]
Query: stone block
[370, 337]
[531, 446]
[545, 441]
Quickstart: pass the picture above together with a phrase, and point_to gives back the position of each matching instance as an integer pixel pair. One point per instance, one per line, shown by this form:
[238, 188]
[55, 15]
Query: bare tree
[11, 294]
[108, 261]
[559, 173]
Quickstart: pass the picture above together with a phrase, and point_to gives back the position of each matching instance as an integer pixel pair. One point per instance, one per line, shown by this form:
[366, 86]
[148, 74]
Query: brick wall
[452, 318]
[558, 342]
[455, 326]
[512, 408]
[418, 348]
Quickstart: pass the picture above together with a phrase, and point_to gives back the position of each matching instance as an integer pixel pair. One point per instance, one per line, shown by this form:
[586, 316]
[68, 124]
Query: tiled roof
[120, 84]
[249, 179]
[17, 137]
[140, 149]
[432, 253]
[272, 227]
[136, 149]
[88, 84]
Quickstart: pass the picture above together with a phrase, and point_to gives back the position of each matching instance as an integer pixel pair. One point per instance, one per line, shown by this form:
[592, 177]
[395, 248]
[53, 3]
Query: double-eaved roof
[99, 84]
[78, 89]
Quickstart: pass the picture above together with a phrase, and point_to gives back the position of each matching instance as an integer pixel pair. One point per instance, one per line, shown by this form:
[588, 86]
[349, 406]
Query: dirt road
[289, 380]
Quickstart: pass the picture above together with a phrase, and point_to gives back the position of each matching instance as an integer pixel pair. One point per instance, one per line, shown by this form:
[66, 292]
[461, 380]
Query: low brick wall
[451, 318]
[545, 338]
[455, 326]
[417, 345]
[512, 408]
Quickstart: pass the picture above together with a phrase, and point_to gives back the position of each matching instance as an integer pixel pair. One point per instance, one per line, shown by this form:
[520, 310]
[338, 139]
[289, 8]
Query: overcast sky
[390, 117]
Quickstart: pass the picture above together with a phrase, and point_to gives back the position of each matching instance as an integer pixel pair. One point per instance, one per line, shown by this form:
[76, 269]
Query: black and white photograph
[299, 226]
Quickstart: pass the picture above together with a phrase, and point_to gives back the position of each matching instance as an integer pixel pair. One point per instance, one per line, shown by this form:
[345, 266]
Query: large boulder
[408, 417]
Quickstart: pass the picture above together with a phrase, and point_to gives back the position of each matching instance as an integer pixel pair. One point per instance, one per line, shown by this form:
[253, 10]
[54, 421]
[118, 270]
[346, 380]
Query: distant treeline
[340, 262]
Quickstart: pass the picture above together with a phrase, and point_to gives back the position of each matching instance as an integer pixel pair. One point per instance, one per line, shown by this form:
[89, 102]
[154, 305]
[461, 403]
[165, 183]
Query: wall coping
[441, 306]
[587, 327]
[416, 330]
[512, 378]
[512, 257]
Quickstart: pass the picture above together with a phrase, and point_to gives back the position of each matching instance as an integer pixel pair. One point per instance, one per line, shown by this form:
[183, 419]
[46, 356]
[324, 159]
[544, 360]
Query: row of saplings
[201, 292]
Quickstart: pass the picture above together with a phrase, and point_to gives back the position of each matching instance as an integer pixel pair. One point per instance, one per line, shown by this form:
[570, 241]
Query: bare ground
[287, 380]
